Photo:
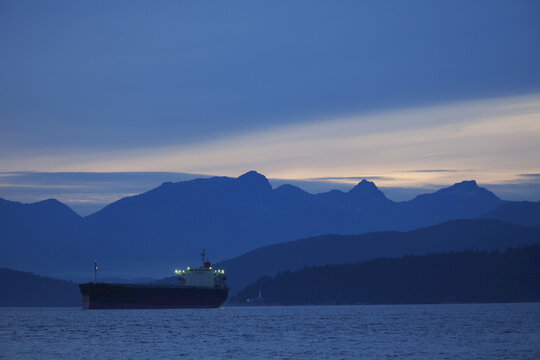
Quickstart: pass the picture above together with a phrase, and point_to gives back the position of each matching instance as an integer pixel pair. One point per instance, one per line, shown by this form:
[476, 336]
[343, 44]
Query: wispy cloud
[350, 179]
[435, 171]
[498, 138]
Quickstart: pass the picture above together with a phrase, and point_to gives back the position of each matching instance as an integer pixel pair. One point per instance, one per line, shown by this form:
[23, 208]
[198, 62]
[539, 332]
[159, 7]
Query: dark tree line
[469, 276]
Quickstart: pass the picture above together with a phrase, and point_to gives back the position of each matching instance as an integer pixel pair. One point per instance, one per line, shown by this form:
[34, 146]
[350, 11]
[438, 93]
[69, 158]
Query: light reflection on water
[468, 331]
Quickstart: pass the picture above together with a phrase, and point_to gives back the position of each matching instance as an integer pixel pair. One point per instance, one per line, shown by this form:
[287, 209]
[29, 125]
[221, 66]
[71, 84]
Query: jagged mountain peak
[254, 179]
[252, 174]
[480, 198]
[367, 190]
[366, 184]
[467, 187]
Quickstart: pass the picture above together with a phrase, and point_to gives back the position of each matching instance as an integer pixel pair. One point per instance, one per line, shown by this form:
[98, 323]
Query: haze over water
[453, 331]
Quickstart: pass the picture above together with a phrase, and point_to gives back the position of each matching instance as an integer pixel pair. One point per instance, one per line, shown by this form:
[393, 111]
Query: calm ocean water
[472, 331]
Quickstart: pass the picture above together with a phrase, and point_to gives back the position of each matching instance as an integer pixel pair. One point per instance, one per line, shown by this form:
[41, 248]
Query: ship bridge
[203, 276]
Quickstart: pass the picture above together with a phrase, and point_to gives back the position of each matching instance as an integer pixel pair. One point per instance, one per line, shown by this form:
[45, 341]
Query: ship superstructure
[203, 276]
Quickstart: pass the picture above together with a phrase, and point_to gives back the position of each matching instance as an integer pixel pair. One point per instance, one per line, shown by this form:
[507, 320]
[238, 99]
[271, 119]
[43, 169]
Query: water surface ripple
[468, 331]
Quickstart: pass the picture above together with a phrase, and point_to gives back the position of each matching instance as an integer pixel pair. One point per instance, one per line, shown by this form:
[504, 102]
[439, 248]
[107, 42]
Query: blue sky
[296, 90]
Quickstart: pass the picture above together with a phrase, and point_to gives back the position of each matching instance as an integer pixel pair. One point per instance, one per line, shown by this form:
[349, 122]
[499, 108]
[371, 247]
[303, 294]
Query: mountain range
[451, 236]
[150, 234]
[462, 277]
[21, 289]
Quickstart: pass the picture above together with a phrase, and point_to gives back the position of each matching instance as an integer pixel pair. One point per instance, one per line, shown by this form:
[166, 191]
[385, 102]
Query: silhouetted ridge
[19, 288]
[519, 212]
[469, 187]
[50, 206]
[461, 200]
[254, 180]
[469, 276]
[367, 191]
[455, 235]
[291, 190]
[465, 186]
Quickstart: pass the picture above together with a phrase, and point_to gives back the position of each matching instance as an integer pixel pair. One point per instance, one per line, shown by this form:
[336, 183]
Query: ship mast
[203, 255]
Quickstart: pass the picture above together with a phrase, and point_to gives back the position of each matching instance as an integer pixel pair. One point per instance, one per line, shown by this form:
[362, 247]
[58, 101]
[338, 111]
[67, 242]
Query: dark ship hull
[133, 296]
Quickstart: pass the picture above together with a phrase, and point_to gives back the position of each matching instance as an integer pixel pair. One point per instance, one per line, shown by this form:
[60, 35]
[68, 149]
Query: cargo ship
[201, 287]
